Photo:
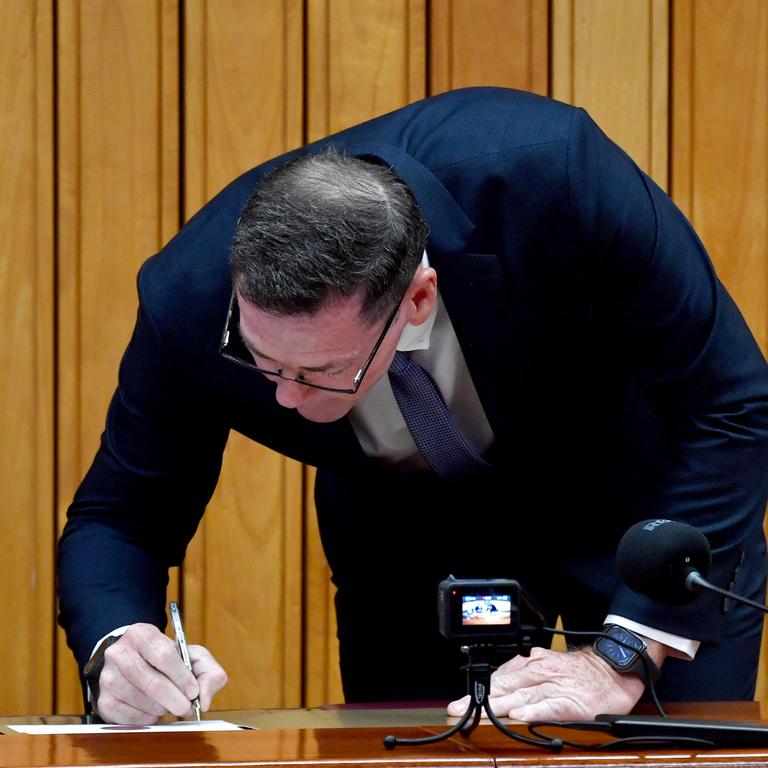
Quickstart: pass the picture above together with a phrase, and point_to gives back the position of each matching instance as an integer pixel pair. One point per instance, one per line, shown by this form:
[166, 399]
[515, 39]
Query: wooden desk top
[349, 738]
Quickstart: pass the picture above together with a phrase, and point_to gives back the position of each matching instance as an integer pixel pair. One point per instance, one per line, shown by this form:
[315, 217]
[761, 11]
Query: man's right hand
[144, 678]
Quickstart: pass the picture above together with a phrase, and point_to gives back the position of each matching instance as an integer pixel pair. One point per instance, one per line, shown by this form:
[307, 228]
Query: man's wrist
[92, 670]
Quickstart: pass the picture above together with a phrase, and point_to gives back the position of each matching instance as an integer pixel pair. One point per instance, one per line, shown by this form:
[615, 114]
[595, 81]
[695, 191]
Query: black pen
[181, 640]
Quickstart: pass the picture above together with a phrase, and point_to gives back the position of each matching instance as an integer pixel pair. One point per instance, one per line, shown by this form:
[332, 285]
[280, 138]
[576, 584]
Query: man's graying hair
[325, 226]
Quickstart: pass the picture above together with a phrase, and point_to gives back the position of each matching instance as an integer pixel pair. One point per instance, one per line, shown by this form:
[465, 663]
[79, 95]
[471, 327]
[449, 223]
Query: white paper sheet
[180, 726]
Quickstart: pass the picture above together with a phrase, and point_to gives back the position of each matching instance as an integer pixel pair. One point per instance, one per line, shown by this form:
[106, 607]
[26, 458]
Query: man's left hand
[556, 685]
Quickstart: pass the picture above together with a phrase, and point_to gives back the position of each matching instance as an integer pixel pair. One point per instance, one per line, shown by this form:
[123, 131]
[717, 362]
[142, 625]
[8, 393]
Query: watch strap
[644, 666]
[92, 670]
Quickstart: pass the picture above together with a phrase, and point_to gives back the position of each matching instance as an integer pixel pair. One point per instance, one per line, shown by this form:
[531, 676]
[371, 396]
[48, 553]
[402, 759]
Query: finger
[115, 685]
[210, 675]
[163, 654]
[459, 707]
[522, 697]
[113, 710]
[132, 665]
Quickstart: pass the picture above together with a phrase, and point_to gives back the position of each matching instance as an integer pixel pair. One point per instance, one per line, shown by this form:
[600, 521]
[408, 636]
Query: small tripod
[478, 671]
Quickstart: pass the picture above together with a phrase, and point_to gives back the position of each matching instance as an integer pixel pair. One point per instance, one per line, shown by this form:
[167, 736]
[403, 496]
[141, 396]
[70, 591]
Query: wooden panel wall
[119, 118]
[26, 354]
[489, 42]
[612, 59]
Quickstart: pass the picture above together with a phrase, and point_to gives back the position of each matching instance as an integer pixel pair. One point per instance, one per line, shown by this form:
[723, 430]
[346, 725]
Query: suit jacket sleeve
[693, 354]
[142, 498]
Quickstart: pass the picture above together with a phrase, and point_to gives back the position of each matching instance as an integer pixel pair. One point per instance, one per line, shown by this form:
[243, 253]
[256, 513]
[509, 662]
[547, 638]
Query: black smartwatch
[629, 654]
[92, 670]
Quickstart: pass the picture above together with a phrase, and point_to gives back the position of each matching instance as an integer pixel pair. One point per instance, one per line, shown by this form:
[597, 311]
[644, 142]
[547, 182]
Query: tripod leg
[467, 729]
[391, 741]
[555, 745]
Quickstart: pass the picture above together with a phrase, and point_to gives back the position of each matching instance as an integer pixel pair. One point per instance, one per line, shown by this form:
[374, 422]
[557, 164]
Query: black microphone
[668, 561]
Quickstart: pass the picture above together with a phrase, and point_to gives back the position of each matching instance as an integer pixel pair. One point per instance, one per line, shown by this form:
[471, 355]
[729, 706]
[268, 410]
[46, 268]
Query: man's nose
[289, 393]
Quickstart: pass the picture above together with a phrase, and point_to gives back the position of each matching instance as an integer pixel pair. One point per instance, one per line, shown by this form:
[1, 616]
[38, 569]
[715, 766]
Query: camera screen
[485, 609]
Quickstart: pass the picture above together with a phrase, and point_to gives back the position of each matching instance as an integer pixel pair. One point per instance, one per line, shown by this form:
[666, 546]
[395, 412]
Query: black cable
[667, 741]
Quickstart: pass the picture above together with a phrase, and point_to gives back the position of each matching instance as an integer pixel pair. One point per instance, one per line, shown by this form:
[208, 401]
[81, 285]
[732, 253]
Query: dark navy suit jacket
[619, 378]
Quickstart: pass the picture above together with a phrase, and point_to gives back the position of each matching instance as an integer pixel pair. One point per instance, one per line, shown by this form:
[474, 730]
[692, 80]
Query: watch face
[620, 655]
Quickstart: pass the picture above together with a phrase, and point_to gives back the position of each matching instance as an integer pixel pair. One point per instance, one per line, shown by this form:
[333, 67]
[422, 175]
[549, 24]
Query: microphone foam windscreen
[654, 558]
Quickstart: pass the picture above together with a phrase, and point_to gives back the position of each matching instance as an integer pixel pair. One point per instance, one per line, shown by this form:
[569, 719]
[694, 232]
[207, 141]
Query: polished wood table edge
[358, 746]
[346, 748]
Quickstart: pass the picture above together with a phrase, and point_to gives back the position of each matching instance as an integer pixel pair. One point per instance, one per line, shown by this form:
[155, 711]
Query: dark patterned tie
[436, 434]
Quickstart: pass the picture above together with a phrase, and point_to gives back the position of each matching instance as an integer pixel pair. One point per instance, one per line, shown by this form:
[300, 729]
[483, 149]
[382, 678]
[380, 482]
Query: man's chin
[324, 416]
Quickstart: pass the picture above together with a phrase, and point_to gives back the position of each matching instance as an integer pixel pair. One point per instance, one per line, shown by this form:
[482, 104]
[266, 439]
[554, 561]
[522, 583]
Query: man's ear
[421, 295]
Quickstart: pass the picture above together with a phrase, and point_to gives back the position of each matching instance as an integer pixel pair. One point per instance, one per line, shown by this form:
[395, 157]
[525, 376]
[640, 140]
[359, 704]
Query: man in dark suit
[594, 364]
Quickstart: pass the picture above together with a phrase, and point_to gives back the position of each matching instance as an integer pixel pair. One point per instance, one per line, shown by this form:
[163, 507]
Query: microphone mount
[695, 582]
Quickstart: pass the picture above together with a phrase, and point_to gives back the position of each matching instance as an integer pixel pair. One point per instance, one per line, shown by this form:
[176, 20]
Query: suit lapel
[474, 292]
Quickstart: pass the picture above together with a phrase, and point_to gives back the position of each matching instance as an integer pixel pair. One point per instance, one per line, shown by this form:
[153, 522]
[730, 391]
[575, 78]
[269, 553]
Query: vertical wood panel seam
[572, 47]
[79, 218]
[181, 194]
[529, 43]
[159, 200]
[552, 56]
[286, 84]
[427, 65]
[691, 114]
[284, 582]
[204, 141]
[77, 238]
[303, 493]
[651, 89]
[449, 45]
[328, 74]
[55, 448]
[304, 90]
[670, 105]
[181, 120]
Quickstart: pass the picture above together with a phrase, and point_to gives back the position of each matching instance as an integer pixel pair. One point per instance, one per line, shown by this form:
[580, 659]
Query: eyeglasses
[232, 348]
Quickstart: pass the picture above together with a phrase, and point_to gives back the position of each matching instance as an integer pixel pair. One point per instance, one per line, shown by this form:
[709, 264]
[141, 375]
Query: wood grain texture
[364, 58]
[612, 58]
[242, 576]
[118, 201]
[720, 141]
[26, 354]
[489, 42]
